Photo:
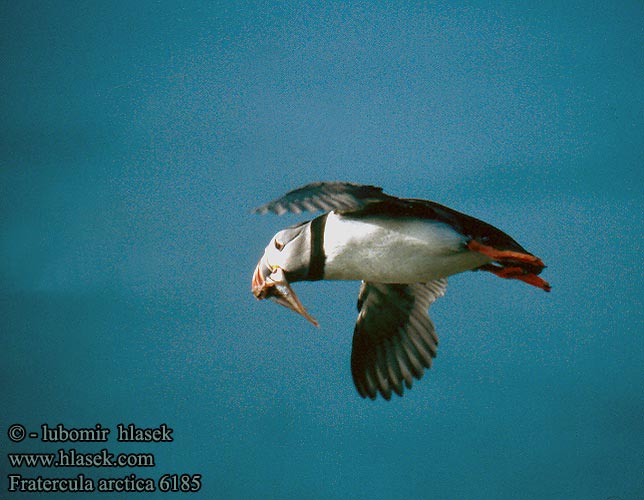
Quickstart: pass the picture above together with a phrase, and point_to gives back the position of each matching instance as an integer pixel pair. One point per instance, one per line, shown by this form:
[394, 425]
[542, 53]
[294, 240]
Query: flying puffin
[402, 250]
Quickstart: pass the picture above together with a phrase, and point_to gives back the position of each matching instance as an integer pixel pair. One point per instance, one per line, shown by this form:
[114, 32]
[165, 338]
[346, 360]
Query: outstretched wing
[326, 196]
[394, 340]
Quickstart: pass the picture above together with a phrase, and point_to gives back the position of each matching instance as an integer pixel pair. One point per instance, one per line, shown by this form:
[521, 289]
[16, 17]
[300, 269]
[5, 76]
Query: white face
[274, 255]
[285, 259]
[289, 250]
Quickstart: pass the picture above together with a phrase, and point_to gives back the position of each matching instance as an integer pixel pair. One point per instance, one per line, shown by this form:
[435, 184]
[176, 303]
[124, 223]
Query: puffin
[402, 250]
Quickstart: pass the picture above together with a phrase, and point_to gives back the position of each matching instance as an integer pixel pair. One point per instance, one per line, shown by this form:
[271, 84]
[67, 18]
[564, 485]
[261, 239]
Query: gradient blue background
[136, 137]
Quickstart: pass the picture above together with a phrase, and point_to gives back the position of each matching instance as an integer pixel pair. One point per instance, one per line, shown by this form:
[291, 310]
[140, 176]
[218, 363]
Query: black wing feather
[325, 196]
[394, 340]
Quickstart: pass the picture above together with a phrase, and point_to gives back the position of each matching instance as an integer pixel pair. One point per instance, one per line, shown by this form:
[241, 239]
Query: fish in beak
[272, 284]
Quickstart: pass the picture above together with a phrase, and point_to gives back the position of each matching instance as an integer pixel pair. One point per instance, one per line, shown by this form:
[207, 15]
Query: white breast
[401, 250]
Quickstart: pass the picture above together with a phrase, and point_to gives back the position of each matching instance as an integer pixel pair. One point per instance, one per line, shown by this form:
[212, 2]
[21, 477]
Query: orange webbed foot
[502, 255]
[512, 265]
[518, 273]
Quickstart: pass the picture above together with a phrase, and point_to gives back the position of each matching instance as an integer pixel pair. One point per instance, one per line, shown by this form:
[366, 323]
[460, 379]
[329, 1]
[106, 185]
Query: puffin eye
[279, 245]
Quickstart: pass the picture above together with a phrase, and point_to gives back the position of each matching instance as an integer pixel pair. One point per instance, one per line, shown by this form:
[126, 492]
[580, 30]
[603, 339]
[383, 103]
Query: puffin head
[286, 259]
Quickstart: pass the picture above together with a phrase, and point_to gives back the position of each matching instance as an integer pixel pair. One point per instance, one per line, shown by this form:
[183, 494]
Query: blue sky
[135, 140]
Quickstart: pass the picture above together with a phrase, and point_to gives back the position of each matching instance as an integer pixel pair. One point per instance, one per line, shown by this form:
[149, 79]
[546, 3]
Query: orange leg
[518, 273]
[500, 255]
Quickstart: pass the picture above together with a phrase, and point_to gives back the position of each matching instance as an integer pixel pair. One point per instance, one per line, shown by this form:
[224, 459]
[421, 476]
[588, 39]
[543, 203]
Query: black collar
[318, 258]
